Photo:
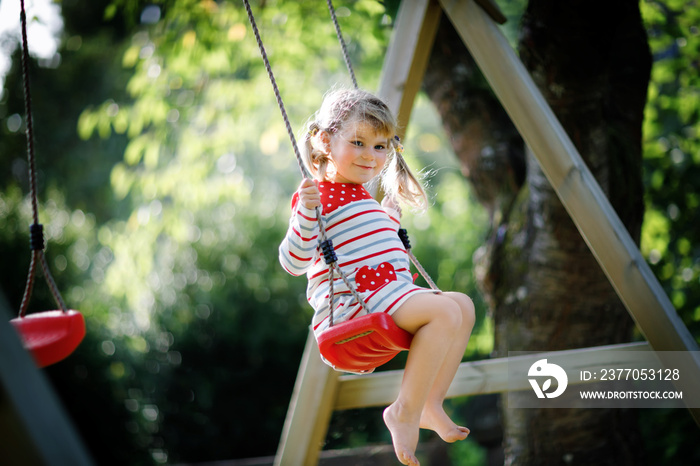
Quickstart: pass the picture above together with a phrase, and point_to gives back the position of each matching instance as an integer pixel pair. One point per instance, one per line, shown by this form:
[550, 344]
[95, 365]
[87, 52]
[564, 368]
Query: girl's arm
[299, 247]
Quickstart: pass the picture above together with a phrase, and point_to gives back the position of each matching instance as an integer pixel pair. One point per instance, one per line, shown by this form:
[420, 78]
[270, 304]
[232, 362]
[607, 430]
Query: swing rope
[325, 244]
[36, 230]
[403, 234]
[346, 55]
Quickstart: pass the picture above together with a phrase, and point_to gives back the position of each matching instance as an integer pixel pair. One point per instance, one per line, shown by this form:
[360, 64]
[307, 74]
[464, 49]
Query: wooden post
[309, 411]
[407, 57]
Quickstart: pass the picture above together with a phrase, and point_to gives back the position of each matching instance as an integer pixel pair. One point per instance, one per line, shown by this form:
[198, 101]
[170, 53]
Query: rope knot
[36, 237]
[403, 236]
[328, 252]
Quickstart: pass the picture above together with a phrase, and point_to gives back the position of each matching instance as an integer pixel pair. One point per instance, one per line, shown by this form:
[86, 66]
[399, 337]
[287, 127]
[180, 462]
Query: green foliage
[671, 146]
[467, 453]
[670, 237]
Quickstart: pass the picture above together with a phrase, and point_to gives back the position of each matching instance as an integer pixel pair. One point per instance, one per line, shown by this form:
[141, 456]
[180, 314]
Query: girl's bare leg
[433, 319]
[433, 416]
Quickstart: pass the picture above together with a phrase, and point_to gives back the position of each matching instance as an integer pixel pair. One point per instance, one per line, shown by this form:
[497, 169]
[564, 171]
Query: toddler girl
[351, 142]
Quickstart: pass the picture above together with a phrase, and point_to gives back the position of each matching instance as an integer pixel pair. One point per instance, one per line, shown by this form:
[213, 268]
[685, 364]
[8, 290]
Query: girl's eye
[379, 147]
[357, 143]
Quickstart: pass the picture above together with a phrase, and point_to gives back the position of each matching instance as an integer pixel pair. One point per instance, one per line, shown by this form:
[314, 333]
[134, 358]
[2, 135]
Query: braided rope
[36, 235]
[346, 55]
[422, 271]
[28, 113]
[29, 286]
[51, 282]
[352, 289]
[300, 162]
[331, 295]
[278, 96]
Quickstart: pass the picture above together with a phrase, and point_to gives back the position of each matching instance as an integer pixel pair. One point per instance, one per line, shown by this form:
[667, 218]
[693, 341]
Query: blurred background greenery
[165, 176]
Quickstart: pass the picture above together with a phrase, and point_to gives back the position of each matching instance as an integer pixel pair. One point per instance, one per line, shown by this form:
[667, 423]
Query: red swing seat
[364, 343]
[51, 335]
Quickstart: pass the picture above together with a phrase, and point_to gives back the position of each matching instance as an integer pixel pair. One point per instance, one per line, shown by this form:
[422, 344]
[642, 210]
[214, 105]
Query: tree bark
[544, 287]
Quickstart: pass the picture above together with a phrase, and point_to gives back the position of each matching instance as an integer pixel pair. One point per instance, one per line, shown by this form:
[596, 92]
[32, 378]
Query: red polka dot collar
[335, 195]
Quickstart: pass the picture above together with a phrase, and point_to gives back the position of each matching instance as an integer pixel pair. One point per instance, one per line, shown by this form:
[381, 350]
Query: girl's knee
[449, 314]
[466, 307]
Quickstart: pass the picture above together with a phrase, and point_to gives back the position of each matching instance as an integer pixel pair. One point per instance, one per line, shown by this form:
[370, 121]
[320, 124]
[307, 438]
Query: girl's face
[358, 153]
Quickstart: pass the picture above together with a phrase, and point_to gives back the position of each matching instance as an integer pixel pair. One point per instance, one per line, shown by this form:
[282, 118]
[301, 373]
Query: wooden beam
[407, 57]
[310, 409]
[492, 9]
[578, 190]
[487, 376]
[34, 428]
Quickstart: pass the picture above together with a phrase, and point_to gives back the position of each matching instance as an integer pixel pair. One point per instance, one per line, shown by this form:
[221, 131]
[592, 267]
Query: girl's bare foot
[404, 435]
[437, 420]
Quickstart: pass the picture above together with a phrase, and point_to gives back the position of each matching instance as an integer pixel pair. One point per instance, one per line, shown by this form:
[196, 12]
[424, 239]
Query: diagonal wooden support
[407, 57]
[578, 190]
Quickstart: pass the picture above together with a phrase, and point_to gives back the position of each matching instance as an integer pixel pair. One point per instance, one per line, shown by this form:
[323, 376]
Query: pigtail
[315, 158]
[399, 182]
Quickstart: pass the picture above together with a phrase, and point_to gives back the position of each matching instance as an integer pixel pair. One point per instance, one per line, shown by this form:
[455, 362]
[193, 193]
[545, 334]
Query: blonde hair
[344, 106]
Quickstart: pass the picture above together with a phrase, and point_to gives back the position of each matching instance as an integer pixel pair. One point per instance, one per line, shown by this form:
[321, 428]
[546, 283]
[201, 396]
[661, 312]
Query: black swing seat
[364, 343]
[51, 335]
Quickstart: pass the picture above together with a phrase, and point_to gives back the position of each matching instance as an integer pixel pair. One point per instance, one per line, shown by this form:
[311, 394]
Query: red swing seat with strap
[363, 343]
[50, 336]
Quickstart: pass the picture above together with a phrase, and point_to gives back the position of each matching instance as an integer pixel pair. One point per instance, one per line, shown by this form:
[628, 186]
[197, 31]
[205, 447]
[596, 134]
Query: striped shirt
[368, 248]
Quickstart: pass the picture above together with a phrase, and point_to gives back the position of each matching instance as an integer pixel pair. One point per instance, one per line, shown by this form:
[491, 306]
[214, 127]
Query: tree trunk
[545, 289]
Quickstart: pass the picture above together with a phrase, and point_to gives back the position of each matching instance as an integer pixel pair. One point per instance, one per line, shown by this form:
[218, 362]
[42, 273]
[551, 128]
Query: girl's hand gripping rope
[309, 196]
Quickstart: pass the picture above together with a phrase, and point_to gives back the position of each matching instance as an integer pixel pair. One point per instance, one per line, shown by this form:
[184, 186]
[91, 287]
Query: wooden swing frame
[319, 390]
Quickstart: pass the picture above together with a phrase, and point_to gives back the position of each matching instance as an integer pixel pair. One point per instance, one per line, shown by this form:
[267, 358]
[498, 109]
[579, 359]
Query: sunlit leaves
[671, 148]
[655, 235]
